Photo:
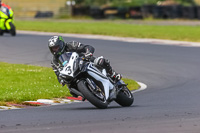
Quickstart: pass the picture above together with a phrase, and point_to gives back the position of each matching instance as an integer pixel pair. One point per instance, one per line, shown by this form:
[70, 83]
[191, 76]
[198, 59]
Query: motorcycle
[6, 21]
[90, 82]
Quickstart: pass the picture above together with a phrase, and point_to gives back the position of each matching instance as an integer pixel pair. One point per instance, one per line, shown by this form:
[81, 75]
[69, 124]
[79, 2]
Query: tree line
[125, 3]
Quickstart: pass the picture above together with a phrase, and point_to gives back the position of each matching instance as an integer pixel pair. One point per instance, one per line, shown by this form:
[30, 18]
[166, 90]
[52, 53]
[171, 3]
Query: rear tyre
[13, 29]
[125, 97]
[96, 98]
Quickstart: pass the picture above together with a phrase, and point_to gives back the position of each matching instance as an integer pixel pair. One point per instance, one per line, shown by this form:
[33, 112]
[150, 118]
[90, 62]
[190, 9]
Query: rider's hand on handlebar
[62, 82]
[87, 56]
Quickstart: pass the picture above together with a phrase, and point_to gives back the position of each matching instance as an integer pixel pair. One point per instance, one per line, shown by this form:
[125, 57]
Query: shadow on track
[94, 108]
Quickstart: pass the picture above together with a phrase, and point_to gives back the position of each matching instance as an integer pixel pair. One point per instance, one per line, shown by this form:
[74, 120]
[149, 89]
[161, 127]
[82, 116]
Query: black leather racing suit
[80, 48]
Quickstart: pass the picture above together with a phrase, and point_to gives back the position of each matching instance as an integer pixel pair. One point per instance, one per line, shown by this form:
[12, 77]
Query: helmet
[56, 45]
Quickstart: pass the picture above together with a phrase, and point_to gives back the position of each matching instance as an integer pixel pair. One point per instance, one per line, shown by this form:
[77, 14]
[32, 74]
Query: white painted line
[142, 87]
[7, 108]
[46, 101]
[123, 39]
[54, 102]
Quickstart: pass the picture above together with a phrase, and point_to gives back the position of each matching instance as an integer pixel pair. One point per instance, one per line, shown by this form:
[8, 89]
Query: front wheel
[125, 97]
[94, 96]
[13, 29]
[1, 32]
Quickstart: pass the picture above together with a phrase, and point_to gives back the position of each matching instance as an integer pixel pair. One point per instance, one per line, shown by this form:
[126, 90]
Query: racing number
[69, 70]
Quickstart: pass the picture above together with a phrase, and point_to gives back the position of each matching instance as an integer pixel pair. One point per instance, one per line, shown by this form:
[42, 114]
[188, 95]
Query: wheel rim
[97, 93]
[127, 92]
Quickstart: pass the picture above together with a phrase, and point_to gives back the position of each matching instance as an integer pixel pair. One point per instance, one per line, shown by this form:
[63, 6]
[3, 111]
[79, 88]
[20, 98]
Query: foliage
[125, 3]
[115, 2]
[186, 2]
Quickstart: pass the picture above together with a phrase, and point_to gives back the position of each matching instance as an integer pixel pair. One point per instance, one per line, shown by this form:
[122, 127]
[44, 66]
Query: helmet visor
[55, 49]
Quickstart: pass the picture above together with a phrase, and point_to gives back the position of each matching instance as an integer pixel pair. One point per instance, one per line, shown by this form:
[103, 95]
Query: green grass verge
[20, 83]
[171, 32]
[24, 82]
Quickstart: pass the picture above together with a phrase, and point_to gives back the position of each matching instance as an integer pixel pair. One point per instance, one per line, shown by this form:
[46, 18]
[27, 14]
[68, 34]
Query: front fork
[5, 24]
[105, 83]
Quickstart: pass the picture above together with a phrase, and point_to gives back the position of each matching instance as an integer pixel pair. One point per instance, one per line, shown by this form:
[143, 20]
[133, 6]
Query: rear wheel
[125, 97]
[94, 96]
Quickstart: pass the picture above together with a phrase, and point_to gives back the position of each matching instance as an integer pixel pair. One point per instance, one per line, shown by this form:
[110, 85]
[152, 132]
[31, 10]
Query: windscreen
[5, 10]
[64, 58]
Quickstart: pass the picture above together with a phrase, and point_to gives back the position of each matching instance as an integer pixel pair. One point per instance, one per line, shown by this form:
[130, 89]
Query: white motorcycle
[84, 79]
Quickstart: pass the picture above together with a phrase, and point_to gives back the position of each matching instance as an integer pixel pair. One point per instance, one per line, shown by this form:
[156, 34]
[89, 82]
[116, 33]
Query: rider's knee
[102, 62]
[99, 61]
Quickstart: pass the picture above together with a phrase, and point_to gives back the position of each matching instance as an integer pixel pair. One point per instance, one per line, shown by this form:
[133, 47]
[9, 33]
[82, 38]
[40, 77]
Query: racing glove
[87, 56]
[60, 79]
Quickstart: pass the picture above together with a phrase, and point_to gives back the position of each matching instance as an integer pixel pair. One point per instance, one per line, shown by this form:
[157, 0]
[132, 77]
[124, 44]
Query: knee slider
[99, 61]
[106, 62]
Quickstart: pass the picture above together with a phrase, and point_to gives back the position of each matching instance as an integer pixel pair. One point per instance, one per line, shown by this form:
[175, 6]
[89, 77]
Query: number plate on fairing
[69, 62]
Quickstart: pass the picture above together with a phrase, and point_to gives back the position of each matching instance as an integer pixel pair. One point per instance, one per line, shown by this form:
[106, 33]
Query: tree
[91, 2]
[123, 3]
[186, 2]
[115, 2]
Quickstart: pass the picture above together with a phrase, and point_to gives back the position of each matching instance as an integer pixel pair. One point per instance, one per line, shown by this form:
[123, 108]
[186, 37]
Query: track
[169, 104]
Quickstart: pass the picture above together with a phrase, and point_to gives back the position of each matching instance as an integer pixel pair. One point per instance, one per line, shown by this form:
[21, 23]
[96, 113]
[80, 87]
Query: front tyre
[13, 29]
[125, 97]
[1, 32]
[93, 96]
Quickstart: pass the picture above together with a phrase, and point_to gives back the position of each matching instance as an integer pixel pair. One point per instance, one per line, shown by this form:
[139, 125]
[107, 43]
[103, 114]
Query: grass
[132, 85]
[171, 32]
[20, 83]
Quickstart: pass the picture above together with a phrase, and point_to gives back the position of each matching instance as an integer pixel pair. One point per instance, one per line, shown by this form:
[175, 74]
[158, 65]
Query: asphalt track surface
[170, 104]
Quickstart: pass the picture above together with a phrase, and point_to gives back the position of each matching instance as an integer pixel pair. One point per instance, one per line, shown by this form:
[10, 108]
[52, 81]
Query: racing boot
[105, 63]
[115, 76]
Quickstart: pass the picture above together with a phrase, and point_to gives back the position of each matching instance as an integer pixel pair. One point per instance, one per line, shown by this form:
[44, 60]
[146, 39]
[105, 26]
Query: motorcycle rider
[2, 8]
[2, 4]
[58, 46]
